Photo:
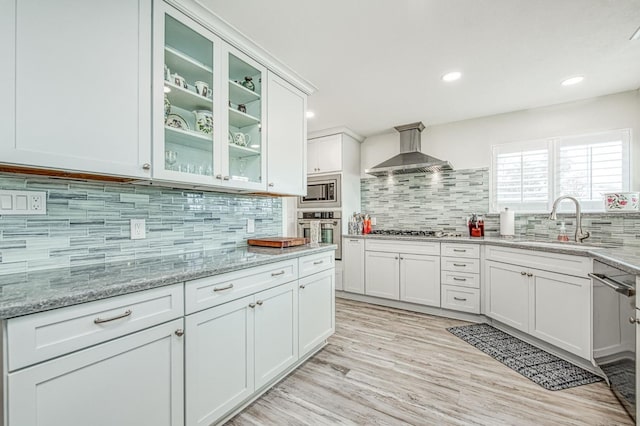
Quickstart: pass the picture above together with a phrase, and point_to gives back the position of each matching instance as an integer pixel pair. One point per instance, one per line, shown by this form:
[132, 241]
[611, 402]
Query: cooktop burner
[436, 234]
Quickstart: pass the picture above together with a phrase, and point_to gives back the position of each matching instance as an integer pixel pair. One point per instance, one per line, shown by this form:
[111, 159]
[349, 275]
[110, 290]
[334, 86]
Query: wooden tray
[279, 242]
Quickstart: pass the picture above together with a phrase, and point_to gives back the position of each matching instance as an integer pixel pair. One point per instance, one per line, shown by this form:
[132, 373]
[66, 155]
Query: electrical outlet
[251, 226]
[23, 202]
[138, 231]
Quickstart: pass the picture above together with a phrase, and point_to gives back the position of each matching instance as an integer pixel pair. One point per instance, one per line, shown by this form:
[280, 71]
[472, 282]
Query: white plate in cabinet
[461, 250]
[409, 247]
[314, 263]
[316, 310]
[45, 335]
[133, 380]
[211, 291]
[461, 299]
[462, 279]
[461, 265]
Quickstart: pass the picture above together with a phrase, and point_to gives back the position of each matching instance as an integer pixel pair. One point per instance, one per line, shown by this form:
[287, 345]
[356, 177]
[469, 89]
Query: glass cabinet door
[187, 54]
[245, 148]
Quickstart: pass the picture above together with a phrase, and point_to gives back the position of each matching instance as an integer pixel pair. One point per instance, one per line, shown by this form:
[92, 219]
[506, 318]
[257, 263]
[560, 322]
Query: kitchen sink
[551, 244]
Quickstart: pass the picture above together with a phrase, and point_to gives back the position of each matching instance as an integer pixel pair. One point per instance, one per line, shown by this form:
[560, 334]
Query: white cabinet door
[353, 265]
[276, 331]
[316, 310]
[382, 274]
[507, 294]
[219, 360]
[7, 74]
[135, 380]
[420, 279]
[82, 86]
[286, 135]
[560, 311]
[324, 154]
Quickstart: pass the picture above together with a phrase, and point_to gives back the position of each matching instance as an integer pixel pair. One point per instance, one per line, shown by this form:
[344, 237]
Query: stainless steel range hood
[410, 159]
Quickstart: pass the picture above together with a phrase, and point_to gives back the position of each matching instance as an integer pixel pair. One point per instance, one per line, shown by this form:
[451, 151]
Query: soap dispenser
[562, 236]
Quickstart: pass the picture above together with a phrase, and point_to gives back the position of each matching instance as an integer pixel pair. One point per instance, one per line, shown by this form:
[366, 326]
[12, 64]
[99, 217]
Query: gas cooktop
[436, 234]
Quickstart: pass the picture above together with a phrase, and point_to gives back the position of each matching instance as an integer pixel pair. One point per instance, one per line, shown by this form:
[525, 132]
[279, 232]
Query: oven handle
[618, 286]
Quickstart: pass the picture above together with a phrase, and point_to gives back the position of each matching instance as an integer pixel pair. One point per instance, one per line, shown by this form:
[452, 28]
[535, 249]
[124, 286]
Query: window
[528, 176]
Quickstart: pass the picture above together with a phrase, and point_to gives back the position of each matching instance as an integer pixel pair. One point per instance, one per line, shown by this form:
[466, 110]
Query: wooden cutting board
[279, 242]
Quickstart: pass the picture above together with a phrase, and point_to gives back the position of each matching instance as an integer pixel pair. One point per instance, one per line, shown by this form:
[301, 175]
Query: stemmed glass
[242, 164]
[170, 158]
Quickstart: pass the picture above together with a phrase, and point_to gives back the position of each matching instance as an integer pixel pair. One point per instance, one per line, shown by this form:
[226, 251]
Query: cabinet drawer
[461, 299]
[461, 250]
[460, 265]
[547, 261]
[212, 291]
[311, 264]
[409, 247]
[38, 337]
[463, 279]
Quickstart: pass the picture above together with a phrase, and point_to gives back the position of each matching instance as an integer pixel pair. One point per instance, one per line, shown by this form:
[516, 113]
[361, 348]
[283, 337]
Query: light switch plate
[138, 231]
[251, 226]
[23, 202]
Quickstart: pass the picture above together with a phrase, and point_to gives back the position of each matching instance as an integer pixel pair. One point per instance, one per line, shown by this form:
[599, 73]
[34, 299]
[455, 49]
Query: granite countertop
[623, 257]
[27, 293]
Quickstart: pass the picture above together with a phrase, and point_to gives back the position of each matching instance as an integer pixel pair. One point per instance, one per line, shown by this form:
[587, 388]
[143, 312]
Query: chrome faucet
[580, 234]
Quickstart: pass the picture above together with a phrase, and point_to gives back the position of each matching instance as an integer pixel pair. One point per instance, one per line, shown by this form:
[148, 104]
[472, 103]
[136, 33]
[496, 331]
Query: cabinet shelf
[188, 138]
[240, 119]
[238, 94]
[187, 99]
[241, 151]
[188, 67]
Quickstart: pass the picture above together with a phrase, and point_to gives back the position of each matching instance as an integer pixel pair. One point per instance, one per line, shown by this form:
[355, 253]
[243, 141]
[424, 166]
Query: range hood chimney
[410, 159]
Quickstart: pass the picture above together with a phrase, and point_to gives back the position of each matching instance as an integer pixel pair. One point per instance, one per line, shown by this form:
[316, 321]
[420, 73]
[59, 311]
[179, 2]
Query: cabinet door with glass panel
[186, 99]
[244, 154]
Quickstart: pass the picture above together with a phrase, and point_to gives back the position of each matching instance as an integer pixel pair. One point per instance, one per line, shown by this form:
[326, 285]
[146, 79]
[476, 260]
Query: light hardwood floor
[389, 366]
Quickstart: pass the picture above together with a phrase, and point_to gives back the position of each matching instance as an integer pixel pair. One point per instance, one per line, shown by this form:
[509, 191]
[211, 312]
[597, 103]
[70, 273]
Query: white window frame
[553, 146]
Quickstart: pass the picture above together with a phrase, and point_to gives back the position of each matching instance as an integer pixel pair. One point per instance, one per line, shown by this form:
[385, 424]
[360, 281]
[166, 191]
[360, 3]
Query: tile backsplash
[444, 201]
[88, 223]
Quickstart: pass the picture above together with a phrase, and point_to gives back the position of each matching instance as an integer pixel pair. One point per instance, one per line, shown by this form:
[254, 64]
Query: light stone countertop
[27, 293]
[623, 257]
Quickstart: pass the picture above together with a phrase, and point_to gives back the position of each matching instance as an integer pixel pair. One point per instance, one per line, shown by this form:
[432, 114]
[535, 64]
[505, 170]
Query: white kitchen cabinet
[353, 265]
[79, 90]
[507, 296]
[286, 136]
[133, 380]
[324, 154]
[420, 279]
[382, 274]
[316, 310]
[460, 277]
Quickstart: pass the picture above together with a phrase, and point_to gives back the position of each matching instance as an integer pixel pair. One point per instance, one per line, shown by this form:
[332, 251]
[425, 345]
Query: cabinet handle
[252, 305]
[460, 250]
[460, 264]
[275, 274]
[459, 279]
[529, 274]
[219, 177]
[179, 332]
[353, 241]
[396, 257]
[271, 184]
[225, 178]
[146, 166]
[259, 302]
[633, 320]
[302, 286]
[318, 262]
[523, 273]
[461, 299]
[103, 320]
[226, 287]
[401, 258]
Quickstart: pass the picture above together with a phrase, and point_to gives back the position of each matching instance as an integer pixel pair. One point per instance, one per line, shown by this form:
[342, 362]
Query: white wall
[466, 144]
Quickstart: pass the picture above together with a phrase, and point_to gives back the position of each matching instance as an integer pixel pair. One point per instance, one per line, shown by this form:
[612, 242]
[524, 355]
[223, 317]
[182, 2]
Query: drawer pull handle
[355, 241]
[459, 279]
[259, 302]
[179, 332]
[462, 265]
[252, 305]
[460, 250]
[318, 262]
[460, 299]
[275, 274]
[523, 273]
[226, 287]
[302, 286]
[103, 320]
[529, 274]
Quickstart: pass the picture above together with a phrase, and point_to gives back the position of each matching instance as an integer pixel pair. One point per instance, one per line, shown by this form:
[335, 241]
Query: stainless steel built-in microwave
[322, 192]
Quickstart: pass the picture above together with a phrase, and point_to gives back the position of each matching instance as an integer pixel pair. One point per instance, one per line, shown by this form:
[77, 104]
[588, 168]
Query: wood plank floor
[387, 366]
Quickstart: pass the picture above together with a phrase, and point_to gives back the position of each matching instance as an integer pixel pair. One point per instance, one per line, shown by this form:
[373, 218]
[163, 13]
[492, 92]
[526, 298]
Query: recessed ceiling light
[311, 114]
[452, 76]
[573, 80]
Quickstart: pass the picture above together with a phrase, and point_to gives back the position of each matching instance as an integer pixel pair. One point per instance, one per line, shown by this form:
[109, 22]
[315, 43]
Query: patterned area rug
[541, 367]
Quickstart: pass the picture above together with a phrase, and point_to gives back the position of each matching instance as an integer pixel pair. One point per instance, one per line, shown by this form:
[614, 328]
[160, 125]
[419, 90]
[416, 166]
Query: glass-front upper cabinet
[245, 153]
[186, 99]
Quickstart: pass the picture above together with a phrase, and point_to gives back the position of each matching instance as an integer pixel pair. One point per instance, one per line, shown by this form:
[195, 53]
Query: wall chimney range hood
[410, 159]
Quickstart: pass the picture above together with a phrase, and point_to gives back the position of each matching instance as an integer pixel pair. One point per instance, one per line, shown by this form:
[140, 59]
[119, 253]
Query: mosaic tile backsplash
[88, 223]
[444, 201]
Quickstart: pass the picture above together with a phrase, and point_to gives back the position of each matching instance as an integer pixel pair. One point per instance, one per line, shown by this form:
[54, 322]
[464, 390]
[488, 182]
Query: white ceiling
[378, 63]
